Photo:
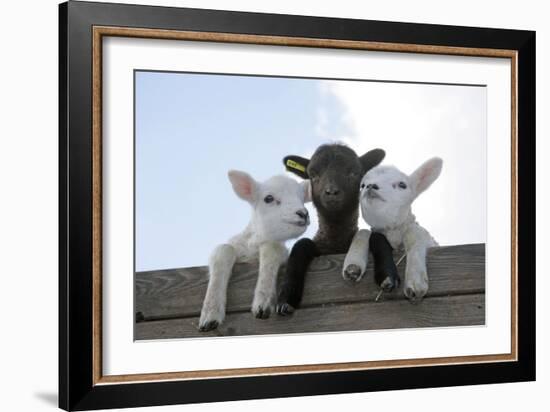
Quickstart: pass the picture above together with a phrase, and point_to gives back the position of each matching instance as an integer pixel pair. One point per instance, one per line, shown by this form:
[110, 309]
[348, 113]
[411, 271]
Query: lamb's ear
[306, 184]
[297, 165]
[243, 184]
[371, 158]
[425, 175]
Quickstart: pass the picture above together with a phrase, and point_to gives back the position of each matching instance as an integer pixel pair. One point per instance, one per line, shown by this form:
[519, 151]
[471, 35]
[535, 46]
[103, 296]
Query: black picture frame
[77, 389]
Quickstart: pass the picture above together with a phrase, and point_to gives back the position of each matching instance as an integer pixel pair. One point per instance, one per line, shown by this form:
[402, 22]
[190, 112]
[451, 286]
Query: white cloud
[412, 123]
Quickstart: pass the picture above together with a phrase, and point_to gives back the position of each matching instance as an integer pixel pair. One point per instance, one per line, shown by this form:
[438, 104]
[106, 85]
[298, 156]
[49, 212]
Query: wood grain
[464, 310]
[178, 293]
[299, 42]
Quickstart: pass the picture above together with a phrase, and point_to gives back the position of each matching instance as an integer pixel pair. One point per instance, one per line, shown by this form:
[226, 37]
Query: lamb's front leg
[272, 256]
[417, 240]
[416, 274]
[220, 267]
[355, 263]
[292, 287]
[385, 270]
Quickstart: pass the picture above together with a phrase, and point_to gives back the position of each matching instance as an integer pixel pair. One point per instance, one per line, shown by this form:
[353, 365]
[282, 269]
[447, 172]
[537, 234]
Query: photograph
[277, 205]
[259, 205]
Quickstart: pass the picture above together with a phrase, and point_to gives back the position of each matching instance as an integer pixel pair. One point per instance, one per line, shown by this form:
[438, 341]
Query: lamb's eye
[362, 185]
[402, 185]
[269, 199]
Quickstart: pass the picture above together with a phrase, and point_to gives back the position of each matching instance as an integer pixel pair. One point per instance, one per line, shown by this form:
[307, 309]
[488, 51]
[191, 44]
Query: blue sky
[192, 128]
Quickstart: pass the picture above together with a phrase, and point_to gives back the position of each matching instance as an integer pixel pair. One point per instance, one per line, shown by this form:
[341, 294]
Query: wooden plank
[166, 294]
[432, 312]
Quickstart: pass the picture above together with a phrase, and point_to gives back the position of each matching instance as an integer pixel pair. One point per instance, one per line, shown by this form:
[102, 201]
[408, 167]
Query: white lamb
[386, 198]
[278, 214]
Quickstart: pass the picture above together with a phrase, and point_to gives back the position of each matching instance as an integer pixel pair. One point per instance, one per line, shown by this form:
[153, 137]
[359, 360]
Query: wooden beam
[178, 293]
[464, 310]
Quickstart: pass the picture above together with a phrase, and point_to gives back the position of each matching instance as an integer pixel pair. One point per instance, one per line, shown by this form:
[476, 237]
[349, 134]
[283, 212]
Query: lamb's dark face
[335, 172]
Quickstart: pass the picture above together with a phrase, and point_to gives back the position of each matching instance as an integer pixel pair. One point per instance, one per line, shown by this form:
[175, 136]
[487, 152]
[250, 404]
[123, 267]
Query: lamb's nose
[302, 213]
[373, 186]
[331, 190]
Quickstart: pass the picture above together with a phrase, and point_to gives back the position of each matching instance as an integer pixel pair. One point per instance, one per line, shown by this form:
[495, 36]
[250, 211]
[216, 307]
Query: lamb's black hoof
[285, 309]
[208, 326]
[140, 317]
[390, 283]
[262, 313]
[352, 272]
[412, 296]
[413, 300]
[386, 276]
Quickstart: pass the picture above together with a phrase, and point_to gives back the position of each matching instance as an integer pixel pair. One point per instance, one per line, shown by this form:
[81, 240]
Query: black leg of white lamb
[278, 214]
[386, 198]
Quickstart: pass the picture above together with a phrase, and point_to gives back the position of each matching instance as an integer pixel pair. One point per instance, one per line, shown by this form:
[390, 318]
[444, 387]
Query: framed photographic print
[257, 205]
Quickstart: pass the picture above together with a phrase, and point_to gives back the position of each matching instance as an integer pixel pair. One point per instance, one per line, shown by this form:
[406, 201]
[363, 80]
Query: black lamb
[335, 172]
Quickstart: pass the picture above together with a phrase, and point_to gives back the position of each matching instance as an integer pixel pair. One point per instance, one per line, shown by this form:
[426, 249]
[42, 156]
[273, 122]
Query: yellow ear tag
[294, 165]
